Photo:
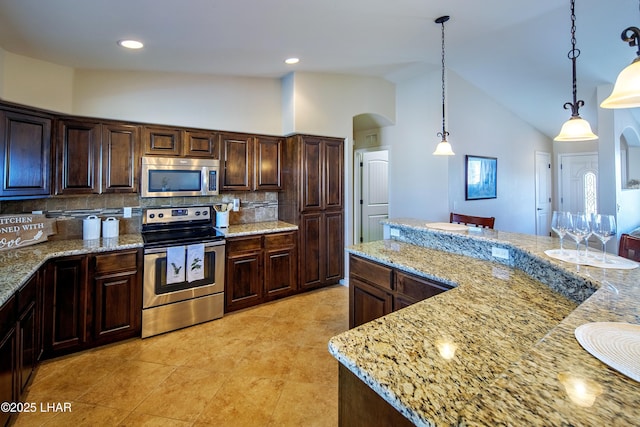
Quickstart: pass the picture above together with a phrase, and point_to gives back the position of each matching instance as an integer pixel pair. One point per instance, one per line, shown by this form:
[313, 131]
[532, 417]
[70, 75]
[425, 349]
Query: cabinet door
[25, 150]
[28, 330]
[237, 172]
[8, 392]
[243, 282]
[65, 293]
[117, 296]
[334, 246]
[161, 141]
[201, 144]
[281, 264]
[333, 174]
[367, 302]
[311, 174]
[78, 157]
[312, 253]
[412, 289]
[268, 158]
[120, 146]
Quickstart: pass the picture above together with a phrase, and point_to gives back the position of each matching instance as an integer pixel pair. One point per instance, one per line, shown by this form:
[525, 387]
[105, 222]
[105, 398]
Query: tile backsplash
[69, 211]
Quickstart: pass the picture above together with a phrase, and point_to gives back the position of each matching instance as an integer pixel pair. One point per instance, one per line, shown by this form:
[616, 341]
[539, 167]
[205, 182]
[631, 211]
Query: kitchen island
[498, 348]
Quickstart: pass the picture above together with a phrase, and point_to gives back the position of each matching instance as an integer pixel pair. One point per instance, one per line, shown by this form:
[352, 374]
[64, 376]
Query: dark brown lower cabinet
[260, 268]
[358, 405]
[81, 312]
[376, 290]
[8, 364]
[321, 249]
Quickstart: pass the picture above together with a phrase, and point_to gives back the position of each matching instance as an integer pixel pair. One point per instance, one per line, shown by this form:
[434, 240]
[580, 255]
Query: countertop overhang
[513, 323]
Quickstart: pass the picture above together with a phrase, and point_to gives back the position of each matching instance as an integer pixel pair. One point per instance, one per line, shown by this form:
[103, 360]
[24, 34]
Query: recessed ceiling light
[130, 44]
[291, 61]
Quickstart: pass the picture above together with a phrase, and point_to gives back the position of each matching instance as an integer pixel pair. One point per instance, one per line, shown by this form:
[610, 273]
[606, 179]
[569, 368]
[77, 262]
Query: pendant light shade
[576, 128]
[626, 91]
[443, 148]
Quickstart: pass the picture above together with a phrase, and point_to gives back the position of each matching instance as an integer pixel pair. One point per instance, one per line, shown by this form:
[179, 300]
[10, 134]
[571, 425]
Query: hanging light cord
[573, 55]
[444, 133]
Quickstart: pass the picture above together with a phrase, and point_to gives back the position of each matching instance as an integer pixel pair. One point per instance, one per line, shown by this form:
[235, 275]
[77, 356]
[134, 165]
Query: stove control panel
[173, 215]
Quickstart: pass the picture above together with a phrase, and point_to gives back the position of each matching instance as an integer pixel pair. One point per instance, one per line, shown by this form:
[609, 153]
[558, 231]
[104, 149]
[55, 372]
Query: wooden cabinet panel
[161, 141]
[312, 174]
[244, 287]
[367, 302]
[418, 288]
[25, 150]
[268, 158]
[237, 155]
[78, 157]
[120, 152]
[334, 246]
[201, 144]
[8, 363]
[371, 272]
[376, 290]
[29, 330]
[312, 262]
[65, 288]
[281, 264]
[117, 296]
[333, 174]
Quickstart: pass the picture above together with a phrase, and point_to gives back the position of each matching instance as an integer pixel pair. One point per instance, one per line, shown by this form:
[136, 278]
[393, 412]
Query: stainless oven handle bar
[164, 248]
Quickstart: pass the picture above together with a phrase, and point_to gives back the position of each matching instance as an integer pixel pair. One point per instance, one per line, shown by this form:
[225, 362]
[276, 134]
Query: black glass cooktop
[180, 236]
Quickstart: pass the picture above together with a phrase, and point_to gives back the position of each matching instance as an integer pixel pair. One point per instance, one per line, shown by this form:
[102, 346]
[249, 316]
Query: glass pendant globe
[576, 129]
[626, 91]
[443, 149]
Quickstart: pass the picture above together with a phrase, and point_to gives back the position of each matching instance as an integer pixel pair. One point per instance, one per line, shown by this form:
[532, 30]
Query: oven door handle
[208, 247]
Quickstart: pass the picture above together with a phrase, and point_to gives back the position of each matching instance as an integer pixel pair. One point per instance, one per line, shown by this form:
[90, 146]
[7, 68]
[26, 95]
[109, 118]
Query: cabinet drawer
[279, 240]
[370, 271]
[119, 261]
[239, 244]
[418, 288]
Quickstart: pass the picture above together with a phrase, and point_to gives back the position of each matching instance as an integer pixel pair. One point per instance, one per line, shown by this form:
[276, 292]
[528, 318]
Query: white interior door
[374, 204]
[579, 182]
[543, 193]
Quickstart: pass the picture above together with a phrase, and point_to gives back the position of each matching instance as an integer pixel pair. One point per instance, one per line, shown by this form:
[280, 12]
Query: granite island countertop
[17, 265]
[514, 334]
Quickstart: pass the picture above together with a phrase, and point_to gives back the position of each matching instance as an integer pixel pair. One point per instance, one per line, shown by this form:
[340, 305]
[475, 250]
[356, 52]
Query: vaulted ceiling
[515, 51]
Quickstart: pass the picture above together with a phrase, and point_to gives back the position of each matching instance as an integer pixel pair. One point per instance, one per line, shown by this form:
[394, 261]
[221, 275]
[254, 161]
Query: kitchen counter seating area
[499, 348]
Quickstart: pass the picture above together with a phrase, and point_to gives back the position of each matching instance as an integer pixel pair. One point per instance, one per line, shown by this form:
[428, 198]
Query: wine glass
[579, 229]
[591, 218]
[605, 229]
[560, 223]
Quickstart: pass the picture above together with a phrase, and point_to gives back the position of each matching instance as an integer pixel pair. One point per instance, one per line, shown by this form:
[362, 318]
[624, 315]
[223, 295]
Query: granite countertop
[17, 265]
[513, 335]
[264, 227]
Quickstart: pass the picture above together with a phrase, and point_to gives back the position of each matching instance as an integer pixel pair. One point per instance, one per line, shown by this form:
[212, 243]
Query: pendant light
[576, 128]
[626, 90]
[443, 148]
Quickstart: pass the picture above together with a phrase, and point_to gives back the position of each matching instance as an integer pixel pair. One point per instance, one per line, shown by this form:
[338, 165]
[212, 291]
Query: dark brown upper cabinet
[251, 162]
[161, 141]
[120, 153]
[201, 144]
[78, 157]
[25, 152]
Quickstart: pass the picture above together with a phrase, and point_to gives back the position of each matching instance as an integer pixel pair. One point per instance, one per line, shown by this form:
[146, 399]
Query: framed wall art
[481, 176]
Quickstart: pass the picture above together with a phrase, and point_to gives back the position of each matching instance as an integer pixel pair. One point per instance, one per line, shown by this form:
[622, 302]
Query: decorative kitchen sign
[23, 230]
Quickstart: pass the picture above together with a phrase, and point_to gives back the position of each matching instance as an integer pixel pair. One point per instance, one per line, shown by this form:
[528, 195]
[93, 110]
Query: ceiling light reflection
[446, 348]
[582, 391]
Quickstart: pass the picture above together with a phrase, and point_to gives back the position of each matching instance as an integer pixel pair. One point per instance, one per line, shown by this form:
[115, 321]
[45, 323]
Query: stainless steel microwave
[176, 176]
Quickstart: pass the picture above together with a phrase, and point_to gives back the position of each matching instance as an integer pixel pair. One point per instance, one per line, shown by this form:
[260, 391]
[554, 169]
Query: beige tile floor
[264, 366]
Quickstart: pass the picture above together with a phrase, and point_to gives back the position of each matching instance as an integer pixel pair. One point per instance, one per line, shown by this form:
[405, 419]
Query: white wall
[417, 180]
[36, 83]
[213, 102]
[429, 187]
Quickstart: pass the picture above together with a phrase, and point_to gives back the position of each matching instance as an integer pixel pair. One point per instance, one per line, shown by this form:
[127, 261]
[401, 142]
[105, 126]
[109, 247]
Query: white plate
[447, 226]
[614, 343]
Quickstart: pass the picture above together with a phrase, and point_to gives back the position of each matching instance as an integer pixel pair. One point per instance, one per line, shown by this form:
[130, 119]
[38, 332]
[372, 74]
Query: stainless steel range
[183, 279]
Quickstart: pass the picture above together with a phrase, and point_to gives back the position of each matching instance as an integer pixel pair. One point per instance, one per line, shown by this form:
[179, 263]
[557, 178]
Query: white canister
[222, 219]
[91, 228]
[110, 228]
